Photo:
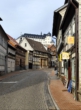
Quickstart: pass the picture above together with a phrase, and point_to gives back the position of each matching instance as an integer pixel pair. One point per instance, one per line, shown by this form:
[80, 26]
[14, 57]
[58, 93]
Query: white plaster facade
[25, 44]
[45, 41]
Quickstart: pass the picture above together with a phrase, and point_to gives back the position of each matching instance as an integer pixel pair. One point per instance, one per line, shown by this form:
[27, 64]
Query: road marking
[10, 82]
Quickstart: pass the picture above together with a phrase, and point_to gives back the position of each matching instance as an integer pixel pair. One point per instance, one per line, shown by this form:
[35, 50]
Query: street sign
[65, 55]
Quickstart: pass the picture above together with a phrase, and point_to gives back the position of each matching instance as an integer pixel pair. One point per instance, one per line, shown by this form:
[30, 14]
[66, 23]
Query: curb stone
[56, 106]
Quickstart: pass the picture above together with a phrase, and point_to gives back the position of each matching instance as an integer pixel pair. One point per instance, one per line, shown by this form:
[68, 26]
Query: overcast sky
[28, 16]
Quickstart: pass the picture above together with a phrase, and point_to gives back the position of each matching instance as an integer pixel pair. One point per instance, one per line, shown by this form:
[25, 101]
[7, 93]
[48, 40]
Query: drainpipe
[76, 50]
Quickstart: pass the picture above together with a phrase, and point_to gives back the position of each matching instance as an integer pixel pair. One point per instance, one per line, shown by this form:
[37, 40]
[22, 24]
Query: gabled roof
[36, 45]
[70, 11]
[66, 1]
[4, 32]
[56, 23]
[14, 43]
[56, 20]
[11, 46]
[49, 46]
[52, 47]
[61, 8]
[0, 19]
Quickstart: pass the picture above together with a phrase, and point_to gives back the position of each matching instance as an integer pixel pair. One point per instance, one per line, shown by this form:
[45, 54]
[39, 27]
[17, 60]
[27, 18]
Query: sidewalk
[61, 96]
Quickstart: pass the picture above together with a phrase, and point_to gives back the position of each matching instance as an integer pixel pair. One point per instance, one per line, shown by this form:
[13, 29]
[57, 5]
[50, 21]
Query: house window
[70, 33]
[21, 38]
[74, 28]
[25, 44]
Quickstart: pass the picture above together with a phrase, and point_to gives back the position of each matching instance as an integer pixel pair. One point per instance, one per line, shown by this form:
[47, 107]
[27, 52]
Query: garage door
[11, 65]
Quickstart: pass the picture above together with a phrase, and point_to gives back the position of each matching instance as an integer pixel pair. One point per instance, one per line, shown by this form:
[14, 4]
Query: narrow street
[26, 91]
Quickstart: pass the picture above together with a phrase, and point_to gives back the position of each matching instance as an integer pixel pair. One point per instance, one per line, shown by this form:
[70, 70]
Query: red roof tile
[13, 42]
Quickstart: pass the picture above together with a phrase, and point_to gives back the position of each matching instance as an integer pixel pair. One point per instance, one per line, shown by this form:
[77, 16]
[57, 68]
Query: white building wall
[46, 41]
[62, 12]
[28, 47]
[18, 39]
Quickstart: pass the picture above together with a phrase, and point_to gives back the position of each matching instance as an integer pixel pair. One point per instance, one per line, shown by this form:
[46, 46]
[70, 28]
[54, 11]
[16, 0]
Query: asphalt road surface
[26, 91]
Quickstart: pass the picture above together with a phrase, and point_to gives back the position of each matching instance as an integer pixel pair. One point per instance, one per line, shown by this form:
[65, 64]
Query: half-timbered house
[37, 54]
[3, 51]
[70, 52]
[20, 54]
[11, 58]
[52, 50]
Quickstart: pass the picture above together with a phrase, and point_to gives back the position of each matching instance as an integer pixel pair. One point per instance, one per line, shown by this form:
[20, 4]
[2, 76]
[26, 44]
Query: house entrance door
[41, 63]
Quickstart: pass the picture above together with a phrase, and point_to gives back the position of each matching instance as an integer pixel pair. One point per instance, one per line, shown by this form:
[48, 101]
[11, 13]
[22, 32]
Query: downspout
[76, 50]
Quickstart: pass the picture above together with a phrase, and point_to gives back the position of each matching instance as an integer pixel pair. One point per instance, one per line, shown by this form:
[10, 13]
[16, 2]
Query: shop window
[73, 29]
[66, 68]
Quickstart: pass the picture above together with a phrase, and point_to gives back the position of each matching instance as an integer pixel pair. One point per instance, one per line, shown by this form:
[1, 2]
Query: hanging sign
[70, 40]
[65, 55]
[60, 57]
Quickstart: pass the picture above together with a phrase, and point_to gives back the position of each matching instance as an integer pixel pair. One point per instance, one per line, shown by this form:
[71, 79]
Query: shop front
[65, 59]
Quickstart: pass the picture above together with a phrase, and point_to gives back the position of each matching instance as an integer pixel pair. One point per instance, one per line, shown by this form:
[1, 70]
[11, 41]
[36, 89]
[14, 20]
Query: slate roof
[27, 35]
[36, 45]
[34, 36]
